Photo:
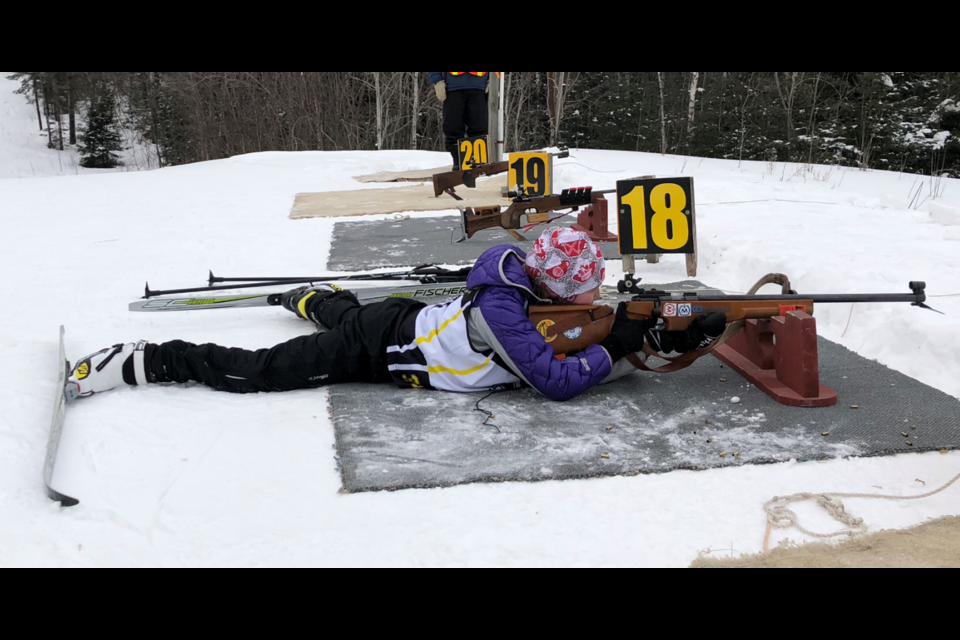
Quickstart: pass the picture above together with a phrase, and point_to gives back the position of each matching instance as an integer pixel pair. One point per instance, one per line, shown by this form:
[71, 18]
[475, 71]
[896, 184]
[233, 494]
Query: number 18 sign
[656, 215]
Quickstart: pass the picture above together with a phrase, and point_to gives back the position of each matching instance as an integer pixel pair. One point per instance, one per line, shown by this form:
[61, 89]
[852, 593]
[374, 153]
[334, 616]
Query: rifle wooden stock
[451, 179]
[572, 327]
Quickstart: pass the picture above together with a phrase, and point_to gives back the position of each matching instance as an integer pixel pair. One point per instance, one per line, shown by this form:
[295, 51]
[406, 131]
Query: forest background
[902, 121]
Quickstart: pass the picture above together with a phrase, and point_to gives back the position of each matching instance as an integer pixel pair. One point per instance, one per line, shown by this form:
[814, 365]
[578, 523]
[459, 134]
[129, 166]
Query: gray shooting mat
[359, 245]
[391, 438]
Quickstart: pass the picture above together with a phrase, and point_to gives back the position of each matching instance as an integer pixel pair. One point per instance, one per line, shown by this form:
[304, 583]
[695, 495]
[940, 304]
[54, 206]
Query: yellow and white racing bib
[440, 355]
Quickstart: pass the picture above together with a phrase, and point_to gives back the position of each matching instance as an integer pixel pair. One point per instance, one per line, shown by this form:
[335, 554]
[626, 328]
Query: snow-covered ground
[191, 477]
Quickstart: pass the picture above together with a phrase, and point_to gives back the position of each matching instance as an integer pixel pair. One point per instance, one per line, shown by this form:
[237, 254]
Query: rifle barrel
[816, 297]
[866, 297]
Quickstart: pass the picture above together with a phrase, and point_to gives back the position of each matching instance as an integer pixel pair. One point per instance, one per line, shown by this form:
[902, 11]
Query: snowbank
[942, 214]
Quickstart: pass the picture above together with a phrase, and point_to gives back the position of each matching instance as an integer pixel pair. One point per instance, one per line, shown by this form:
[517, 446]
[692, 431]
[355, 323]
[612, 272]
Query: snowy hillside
[191, 477]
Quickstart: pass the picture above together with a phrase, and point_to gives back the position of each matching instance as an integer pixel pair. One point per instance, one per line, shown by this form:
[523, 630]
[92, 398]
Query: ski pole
[423, 271]
[212, 280]
[150, 293]
[423, 274]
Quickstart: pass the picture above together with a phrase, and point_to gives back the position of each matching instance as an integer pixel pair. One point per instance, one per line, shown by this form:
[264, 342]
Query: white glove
[441, 88]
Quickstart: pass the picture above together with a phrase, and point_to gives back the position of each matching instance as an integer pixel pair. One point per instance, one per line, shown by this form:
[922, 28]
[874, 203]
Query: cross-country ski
[66, 391]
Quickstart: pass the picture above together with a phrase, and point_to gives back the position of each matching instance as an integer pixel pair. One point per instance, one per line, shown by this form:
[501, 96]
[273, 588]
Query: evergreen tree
[99, 139]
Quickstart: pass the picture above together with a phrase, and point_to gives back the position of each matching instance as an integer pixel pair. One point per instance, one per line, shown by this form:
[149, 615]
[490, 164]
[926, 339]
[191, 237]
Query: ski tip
[64, 500]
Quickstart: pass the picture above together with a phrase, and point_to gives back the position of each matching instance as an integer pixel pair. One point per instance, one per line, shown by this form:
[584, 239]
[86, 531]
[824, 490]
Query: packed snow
[185, 476]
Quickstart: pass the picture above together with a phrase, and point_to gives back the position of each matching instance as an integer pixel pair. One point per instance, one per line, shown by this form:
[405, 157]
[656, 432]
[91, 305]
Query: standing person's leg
[476, 112]
[454, 125]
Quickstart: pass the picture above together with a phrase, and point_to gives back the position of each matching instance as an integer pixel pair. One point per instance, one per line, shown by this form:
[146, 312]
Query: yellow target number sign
[656, 215]
[472, 151]
[531, 172]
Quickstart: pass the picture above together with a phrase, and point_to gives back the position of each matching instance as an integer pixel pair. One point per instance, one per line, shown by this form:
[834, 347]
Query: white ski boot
[110, 368]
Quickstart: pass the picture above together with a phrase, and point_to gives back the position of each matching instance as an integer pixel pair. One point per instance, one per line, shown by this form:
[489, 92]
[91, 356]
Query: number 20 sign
[472, 151]
[656, 215]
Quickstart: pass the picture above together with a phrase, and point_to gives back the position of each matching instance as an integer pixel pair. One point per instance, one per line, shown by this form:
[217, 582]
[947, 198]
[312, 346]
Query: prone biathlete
[482, 340]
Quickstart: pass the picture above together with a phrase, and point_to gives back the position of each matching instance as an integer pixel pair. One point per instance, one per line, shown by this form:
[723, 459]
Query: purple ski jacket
[498, 320]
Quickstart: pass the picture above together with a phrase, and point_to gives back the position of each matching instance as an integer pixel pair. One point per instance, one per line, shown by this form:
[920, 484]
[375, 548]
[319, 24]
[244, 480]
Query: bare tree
[36, 99]
[559, 85]
[663, 116]
[519, 97]
[376, 81]
[743, 109]
[788, 94]
[640, 102]
[506, 109]
[415, 116]
[691, 108]
[811, 127]
[71, 110]
[57, 113]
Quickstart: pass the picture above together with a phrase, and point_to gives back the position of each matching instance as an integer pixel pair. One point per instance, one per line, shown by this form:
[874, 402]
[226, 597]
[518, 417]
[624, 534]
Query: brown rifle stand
[593, 221]
[780, 356]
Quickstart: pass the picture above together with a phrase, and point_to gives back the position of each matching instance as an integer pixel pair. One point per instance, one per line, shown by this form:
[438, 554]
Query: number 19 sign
[656, 215]
[531, 172]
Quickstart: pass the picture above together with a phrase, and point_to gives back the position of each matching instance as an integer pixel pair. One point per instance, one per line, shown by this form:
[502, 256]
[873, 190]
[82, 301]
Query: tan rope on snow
[779, 516]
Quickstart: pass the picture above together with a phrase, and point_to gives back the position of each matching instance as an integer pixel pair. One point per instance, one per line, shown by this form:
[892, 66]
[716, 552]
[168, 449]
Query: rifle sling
[673, 364]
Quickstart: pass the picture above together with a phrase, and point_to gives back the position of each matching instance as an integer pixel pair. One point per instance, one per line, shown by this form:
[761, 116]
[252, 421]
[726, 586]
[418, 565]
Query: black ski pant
[352, 350]
[464, 115]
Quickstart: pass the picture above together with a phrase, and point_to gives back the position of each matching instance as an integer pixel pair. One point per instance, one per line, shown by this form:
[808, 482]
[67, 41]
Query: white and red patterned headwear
[566, 262]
